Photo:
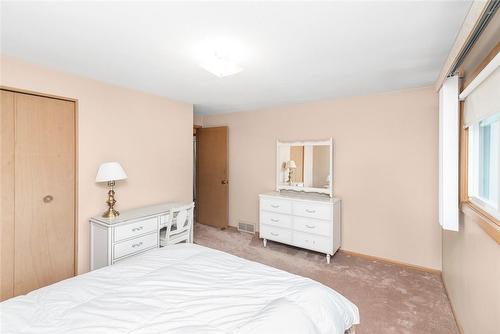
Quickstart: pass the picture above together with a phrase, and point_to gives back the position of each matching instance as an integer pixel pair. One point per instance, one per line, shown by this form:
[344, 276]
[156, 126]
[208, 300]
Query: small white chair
[179, 226]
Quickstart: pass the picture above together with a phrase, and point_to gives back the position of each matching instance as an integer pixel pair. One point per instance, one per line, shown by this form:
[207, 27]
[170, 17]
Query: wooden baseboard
[399, 263]
[460, 329]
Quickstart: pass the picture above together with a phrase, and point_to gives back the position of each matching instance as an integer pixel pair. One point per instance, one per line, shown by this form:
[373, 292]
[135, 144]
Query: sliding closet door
[7, 195]
[44, 191]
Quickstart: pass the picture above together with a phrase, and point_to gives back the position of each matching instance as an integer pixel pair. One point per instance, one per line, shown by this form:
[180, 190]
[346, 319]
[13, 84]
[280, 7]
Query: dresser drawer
[276, 205]
[315, 226]
[135, 229]
[314, 242]
[276, 219]
[276, 233]
[135, 245]
[312, 210]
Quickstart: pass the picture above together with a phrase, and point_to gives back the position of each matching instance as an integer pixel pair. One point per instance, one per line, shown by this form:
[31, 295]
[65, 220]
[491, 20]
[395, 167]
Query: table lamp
[110, 172]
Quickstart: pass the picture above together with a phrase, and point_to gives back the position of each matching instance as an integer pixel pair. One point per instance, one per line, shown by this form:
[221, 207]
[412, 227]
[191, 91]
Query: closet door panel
[7, 195]
[44, 191]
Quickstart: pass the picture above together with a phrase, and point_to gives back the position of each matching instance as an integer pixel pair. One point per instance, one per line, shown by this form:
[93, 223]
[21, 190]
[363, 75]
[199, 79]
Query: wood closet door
[7, 195]
[212, 188]
[44, 191]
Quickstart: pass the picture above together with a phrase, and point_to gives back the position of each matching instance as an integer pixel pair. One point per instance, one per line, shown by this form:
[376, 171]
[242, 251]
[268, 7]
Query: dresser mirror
[305, 166]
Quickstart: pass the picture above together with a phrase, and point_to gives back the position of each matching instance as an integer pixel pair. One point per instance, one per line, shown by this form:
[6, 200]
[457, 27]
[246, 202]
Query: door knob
[223, 182]
[48, 199]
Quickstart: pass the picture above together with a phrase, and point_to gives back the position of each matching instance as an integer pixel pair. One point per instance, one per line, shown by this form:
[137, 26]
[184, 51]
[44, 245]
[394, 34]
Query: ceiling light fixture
[221, 57]
[220, 66]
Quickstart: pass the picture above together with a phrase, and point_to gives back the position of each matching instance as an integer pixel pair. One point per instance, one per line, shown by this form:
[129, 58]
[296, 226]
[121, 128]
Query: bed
[183, 288]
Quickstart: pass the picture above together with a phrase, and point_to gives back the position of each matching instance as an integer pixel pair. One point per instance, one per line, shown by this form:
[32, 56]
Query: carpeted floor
[391, 298]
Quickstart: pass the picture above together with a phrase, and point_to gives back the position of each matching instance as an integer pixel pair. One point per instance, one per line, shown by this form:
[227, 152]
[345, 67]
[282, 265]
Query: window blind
[484, 100]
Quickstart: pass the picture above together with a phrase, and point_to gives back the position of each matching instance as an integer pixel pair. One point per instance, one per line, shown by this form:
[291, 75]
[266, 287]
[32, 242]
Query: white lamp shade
[290, 164]
[110, 171]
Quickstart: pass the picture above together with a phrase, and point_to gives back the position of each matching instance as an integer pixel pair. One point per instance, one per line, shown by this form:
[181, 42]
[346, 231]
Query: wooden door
[212, 188]
[44, 191]
[7, 195]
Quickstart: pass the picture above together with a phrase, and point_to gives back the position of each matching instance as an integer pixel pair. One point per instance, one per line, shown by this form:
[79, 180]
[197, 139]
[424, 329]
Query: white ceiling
[299, 51]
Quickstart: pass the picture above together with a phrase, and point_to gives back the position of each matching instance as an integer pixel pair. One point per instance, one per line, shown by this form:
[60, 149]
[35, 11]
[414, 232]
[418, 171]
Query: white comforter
[181, 289]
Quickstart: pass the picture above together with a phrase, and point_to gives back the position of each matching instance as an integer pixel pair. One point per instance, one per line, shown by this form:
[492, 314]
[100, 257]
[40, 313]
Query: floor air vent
[246, 227]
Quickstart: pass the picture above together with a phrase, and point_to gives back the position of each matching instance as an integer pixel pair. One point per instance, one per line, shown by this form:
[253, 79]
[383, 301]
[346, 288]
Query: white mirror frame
[328, 191]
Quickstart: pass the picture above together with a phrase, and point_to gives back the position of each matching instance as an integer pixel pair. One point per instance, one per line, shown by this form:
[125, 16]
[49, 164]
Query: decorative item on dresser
[305, 166]
[305, 220]
[110, 172]
[133, 232]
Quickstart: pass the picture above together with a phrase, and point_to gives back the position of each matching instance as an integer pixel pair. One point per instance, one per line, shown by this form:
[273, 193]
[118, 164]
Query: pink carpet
[391, 298]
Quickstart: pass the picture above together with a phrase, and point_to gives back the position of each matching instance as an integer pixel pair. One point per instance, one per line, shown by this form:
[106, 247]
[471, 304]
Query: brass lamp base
[111, 212]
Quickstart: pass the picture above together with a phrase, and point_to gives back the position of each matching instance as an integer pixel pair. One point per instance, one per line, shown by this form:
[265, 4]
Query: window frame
[489, 223]
[475, 152]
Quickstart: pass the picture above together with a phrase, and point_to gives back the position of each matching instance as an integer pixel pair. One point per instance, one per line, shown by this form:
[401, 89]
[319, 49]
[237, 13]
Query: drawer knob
[310, 226]
[48, 199]
[275, 234]
[310, 211]
[275, 206]
[137, 245]
[137, 229]
[275, 220]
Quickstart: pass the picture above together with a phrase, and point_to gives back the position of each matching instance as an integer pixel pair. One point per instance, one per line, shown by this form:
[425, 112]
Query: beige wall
[471, 272]
[198, 119]
[149, 135]
[385, 167]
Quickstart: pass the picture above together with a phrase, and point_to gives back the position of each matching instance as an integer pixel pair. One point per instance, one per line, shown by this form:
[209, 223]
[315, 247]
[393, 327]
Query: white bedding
[184, 288]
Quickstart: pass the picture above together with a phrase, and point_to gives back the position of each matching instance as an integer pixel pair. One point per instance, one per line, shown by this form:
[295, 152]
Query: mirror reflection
[305, 166]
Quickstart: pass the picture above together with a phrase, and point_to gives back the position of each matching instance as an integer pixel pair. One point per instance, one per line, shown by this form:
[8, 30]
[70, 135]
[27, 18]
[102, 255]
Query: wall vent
[247, 227]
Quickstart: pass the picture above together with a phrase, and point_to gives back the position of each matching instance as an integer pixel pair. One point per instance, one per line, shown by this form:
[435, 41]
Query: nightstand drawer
[136, 245]
[135, 229]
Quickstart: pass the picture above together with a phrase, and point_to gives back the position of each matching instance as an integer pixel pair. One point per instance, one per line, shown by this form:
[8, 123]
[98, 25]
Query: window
[484, 164]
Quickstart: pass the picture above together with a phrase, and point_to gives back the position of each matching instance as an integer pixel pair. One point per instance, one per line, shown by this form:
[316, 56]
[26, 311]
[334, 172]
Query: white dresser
[305, 220]
[133, 232]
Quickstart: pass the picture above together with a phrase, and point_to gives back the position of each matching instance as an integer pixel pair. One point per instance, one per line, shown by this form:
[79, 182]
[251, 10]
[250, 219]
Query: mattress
[183, 288]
